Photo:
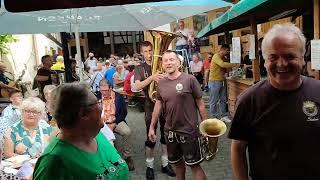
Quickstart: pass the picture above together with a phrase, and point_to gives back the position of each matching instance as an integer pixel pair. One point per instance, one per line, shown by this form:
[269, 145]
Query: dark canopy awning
[262, 10]
[36, 5]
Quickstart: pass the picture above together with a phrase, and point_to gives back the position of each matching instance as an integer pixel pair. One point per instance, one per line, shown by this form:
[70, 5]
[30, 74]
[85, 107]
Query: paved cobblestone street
[217, 169]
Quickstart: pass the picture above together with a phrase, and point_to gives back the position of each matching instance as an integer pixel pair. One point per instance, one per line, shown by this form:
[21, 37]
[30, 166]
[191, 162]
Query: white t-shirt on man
[182, 40]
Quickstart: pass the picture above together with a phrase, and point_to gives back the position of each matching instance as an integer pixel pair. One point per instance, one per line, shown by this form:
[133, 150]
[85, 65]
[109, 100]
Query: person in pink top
[127, 85]
[206, 69]
[196, 66]
[127, 82]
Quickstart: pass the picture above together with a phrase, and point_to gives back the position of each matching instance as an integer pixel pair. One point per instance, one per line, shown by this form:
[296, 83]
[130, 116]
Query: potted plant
[5, 40]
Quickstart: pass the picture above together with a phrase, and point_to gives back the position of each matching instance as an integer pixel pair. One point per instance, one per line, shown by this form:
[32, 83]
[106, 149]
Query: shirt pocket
[183, 93]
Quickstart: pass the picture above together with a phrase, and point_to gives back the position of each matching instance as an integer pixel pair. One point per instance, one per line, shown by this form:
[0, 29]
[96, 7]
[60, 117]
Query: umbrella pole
[80, 63]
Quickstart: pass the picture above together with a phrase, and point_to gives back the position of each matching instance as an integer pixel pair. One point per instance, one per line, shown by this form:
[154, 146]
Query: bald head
[3, 67]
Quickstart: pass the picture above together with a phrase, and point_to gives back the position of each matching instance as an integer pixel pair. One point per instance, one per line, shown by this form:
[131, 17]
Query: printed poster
[252, 48]
[315, 54]
[236, 50]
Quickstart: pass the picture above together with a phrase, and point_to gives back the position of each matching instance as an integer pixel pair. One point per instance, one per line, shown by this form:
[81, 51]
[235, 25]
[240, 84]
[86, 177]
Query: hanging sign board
[315, 54]
[252, 48]
[231, 56]
[236, 50]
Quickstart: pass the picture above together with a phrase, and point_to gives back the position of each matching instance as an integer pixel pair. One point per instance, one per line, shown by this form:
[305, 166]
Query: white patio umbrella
[36, 5]
[132, 17]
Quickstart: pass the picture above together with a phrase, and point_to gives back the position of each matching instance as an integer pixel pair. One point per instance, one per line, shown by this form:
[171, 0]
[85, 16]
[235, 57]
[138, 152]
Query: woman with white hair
[119, 77]
[31, 134]
[47, 91]
[59, 65]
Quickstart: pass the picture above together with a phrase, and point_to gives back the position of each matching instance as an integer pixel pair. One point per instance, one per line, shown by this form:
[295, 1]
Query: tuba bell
[161, 42]
[212, 129]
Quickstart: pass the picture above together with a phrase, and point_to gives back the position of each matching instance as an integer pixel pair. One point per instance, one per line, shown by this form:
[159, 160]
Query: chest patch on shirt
[179, 87]
[311, 110]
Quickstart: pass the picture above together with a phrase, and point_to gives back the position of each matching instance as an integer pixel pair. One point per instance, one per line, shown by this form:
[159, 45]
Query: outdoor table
[13, 164]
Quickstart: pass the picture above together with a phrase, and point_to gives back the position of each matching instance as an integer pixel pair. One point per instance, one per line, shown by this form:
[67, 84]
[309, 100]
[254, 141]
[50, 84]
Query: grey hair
[198, 55]
[33, 103]
[69, 100]
[171, 51]
[48, 88]
[279, 30]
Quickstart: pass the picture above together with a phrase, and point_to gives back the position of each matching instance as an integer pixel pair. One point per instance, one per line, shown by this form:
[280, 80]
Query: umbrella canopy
[262, 10]
[132, 17]
[36, 5]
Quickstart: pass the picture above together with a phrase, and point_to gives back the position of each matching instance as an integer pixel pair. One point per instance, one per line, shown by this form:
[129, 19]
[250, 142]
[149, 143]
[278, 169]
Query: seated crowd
[29, 124]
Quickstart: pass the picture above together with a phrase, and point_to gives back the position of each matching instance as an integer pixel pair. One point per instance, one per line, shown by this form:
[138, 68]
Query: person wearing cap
[107, 64]
[91, 62]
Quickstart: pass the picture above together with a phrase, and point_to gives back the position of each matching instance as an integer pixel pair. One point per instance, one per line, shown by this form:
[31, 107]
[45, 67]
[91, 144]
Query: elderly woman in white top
[30, 135]
[196, 66]
[119, 77]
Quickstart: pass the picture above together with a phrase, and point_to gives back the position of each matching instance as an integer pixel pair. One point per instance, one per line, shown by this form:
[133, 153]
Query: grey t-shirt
[178, 103]
[282, 129]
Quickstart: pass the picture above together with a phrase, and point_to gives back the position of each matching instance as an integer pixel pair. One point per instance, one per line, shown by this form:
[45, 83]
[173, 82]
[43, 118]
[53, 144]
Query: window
[221, 39]
[200, 21]
[123, 37]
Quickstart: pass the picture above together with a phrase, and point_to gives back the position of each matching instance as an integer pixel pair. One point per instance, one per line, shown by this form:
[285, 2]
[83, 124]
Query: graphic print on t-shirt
[311, 110]
[112, 170]
[179, 87]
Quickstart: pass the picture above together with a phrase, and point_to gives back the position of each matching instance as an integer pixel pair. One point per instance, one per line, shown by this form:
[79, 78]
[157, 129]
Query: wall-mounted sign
[236, 50]
[315, 54]
[252, 48]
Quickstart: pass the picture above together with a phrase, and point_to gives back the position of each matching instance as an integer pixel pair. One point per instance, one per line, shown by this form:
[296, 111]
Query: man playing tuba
[143, 78]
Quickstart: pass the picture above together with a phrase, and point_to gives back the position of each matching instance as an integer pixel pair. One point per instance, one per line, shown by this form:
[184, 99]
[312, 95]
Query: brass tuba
[212, 129]
[161, 42]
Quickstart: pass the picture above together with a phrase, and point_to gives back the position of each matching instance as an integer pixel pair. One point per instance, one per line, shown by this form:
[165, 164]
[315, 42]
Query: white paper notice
[252, 48]
[236, 50]
[315, 54]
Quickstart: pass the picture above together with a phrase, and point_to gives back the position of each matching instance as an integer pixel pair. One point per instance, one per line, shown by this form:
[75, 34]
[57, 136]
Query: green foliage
[5, 40]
